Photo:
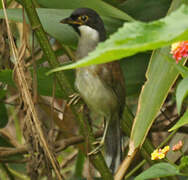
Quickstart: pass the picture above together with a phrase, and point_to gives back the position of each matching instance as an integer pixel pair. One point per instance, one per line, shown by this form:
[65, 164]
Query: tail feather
[113, 151]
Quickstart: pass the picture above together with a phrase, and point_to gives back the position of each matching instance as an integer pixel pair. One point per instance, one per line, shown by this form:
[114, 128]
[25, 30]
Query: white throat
[88, 32]
[89, 39]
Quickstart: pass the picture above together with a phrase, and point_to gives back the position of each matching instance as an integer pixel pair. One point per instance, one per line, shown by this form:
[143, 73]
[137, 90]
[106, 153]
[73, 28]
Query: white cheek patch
[89, 32]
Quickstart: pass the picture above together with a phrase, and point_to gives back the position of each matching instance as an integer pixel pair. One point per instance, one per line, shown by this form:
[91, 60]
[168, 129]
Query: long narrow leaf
[100, 6]
[181, 93]
[183, 121]
[50, 19]
[160, 77]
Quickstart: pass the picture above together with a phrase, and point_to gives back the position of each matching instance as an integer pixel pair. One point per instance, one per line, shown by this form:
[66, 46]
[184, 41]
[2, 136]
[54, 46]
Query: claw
[101, 143]
[75, 97]
[96, 142]
[97, 149]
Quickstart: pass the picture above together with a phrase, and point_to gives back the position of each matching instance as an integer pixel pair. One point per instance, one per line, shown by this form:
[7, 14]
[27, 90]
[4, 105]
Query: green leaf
[183, 121]
[160, 77]
[3, 115]
[2, 93]
[111, 24]
[3, 110]
[138, 37]
[158, 170]
[183, 167]
[6, 77]
[181, 93]
[180, 67]
[18, 167]
[134, 69]
[145, 10]
[100, 6]
[4, 141]
[79, 165]
[45, 83]
[50, 19]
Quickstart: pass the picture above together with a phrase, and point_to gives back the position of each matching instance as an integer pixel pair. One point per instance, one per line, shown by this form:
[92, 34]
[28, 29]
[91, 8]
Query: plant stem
[126, 125]
[135, 169]
[168, 138]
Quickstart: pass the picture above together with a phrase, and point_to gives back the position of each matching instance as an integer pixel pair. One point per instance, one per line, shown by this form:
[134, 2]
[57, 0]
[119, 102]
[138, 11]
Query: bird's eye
[83, 18]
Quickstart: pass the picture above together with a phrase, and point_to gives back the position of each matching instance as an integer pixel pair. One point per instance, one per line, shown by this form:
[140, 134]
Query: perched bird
[101, 86]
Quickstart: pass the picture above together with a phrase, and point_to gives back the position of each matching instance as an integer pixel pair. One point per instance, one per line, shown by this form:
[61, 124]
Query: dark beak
[70, 21]
[66, 20]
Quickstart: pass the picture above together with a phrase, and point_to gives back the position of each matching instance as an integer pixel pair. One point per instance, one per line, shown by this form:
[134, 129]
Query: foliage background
[151, 83]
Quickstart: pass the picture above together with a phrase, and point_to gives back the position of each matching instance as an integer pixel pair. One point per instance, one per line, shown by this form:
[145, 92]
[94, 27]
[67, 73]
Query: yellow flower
[174, 47]
[165, 149]
[159, 153]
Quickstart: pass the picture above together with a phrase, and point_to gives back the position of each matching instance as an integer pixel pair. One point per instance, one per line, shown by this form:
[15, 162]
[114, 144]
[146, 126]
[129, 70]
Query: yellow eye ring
[83, 18]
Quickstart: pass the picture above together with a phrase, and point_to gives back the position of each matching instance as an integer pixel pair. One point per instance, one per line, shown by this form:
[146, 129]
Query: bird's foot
[74, 98]
[97, 149]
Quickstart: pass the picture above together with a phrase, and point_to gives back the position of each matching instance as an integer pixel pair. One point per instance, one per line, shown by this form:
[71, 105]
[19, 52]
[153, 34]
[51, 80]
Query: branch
[59, 145]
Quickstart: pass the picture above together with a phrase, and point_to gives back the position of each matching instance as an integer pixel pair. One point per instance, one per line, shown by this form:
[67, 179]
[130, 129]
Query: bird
[101, 86]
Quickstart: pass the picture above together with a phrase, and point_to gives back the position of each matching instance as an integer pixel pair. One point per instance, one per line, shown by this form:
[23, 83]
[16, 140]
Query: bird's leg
[101, 143]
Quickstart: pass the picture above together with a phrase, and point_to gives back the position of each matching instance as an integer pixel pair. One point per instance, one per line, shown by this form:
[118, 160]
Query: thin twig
[69, 159]
[59, 145]
[19, 161]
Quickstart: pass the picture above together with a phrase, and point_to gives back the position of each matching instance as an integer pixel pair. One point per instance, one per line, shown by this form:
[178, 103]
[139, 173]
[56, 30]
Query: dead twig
[60, 146]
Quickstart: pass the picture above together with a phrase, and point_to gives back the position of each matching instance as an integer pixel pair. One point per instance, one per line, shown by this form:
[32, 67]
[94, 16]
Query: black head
[88, 17]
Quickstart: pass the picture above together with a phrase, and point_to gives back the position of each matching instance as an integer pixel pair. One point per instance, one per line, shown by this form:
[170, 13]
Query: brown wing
[112, 75]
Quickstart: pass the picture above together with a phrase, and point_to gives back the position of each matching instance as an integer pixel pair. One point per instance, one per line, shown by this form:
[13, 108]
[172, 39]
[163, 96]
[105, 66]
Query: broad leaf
[182, 122]
[137, 37]
[158, 170]
[134, 69]
[45, 83]
[50, 19]
[145, 10]
[100, 6]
